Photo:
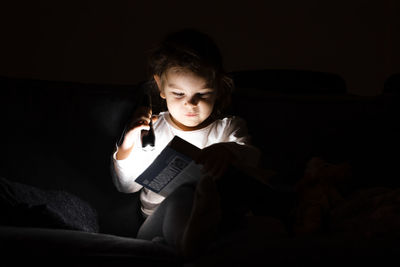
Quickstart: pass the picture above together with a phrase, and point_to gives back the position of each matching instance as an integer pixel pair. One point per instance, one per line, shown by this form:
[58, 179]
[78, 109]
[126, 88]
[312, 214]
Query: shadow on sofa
[60, 135]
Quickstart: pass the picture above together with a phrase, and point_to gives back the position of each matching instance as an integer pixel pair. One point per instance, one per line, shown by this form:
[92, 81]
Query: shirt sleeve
[124, 172]
[236, 131]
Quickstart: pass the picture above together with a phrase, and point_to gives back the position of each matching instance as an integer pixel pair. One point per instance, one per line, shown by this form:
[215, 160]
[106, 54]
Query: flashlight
[147, 136]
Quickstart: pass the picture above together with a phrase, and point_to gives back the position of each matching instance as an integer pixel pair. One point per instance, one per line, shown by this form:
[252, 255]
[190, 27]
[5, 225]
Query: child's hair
[194, 51]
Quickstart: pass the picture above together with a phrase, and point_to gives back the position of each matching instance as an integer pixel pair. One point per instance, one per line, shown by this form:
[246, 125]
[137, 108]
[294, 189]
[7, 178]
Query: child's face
[190, 102]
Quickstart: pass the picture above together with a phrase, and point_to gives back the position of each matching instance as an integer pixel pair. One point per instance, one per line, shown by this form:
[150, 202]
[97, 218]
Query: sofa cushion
[77, 248]
[60, 136]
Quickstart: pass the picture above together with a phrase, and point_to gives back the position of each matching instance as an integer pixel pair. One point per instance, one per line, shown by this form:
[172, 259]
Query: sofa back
[290, 129]
[60, 135]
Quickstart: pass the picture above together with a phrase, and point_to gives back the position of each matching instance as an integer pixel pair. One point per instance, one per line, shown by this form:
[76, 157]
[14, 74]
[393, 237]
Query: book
[173, 167]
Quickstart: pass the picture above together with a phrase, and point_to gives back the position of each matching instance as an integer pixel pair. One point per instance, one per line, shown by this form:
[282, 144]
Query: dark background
[106, 41]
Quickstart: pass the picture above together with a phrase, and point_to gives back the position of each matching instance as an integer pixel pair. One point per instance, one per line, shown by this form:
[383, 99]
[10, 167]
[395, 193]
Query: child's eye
[177, 94]
[204, 95]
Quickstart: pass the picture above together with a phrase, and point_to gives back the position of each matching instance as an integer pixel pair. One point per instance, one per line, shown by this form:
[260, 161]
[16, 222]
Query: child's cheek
[172, 102]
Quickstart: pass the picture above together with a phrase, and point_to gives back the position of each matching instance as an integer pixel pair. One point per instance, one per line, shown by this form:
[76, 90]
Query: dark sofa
[60, 135]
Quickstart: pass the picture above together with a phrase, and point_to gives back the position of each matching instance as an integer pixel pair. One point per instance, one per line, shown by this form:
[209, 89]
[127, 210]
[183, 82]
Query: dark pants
[169, 219]
[239, 194]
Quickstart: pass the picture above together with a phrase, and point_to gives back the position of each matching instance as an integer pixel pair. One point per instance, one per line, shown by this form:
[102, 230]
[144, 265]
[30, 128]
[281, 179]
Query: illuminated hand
[140, 121]
[216, 159]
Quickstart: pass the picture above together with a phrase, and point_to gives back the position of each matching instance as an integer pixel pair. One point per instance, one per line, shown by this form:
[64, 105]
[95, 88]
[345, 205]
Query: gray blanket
[28, 206]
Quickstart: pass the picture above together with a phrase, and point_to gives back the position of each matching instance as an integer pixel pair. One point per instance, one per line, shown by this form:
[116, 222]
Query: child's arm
[233, 149]
[217, 157]
[126, 165]
[140, 121]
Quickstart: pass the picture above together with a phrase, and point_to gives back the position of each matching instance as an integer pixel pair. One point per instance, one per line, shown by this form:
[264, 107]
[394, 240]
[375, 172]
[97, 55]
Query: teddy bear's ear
[312, 171]
[341, 177]
[314, 165]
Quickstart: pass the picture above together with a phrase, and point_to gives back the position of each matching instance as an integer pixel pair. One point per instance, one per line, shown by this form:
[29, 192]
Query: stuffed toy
[318, 192]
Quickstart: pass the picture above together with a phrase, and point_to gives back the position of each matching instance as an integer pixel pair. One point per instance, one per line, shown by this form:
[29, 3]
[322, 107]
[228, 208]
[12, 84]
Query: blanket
[29, 206]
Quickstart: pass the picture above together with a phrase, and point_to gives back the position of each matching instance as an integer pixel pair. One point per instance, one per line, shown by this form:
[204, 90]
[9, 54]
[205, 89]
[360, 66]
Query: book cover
[173, 167]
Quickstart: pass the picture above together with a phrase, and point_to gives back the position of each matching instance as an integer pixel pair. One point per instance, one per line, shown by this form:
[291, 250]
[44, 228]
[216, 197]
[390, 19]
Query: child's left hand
[215, 159]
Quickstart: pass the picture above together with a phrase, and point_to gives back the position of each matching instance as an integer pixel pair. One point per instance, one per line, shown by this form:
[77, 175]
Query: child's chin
[192, 126]
[191, 122]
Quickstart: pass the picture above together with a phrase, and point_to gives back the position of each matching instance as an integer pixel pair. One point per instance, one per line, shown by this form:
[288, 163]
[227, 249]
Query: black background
[106, 41]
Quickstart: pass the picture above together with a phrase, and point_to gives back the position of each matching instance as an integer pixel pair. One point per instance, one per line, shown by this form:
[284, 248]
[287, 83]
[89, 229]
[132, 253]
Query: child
[188, 73]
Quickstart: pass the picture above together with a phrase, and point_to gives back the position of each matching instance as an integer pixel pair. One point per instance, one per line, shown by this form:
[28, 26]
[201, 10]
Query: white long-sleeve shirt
[229, 129]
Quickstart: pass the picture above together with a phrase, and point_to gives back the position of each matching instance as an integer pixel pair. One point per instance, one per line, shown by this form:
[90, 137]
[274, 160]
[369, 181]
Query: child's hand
[216, 159]
[140, 121]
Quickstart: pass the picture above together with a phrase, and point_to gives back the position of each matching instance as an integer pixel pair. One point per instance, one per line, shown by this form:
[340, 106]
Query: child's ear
[158, 82]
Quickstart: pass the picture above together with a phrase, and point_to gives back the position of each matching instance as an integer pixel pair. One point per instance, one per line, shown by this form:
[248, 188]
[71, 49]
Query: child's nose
[194, 100]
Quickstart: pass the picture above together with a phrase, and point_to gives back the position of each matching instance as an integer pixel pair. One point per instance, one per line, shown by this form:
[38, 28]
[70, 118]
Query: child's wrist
[126, 146]
[123, 151]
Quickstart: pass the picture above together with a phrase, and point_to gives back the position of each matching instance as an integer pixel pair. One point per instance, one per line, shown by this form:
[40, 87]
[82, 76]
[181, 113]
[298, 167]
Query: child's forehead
[174, 76]
[179, 71]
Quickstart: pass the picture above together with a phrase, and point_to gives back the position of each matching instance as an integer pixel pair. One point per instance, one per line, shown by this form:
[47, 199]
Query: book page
[172, 168]
[190, 174]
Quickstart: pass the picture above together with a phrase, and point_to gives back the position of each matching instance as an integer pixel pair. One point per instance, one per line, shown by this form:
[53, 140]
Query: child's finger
[142, 113]
[130, 134]
[200, 159]
[142, 123]
[154, 118]
[219, 169]
[211, 167]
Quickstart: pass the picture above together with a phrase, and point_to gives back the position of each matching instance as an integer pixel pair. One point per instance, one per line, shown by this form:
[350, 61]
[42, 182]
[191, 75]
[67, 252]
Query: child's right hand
[140, 121]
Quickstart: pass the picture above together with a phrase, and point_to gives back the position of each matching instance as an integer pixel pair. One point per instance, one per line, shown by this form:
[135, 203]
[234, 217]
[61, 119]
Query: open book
[173, 167]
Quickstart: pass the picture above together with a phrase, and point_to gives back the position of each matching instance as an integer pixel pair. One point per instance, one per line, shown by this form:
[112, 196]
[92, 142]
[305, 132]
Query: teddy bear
[317, 193]
[329, 203]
